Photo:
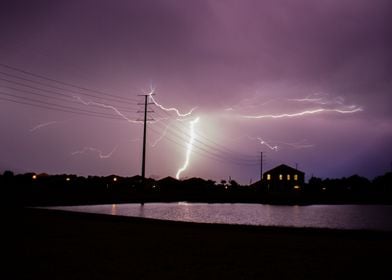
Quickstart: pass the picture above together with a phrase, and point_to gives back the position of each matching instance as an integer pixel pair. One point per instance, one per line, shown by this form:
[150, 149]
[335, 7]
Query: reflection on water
[325, 216]
[114, 209]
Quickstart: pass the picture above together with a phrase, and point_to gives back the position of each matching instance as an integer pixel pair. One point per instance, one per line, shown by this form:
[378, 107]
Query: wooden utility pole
[261, 166]
[144, 132]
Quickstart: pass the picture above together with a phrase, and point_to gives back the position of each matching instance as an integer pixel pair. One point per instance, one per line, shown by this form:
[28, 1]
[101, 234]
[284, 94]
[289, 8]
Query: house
[169, 184]
[284, 178]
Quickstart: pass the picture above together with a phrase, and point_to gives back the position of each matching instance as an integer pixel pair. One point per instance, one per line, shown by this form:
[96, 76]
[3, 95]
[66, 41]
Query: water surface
[374, 217]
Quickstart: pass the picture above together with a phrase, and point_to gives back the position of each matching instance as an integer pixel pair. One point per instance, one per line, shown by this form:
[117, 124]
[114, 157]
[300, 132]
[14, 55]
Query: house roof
[168, 179]
[284, 168]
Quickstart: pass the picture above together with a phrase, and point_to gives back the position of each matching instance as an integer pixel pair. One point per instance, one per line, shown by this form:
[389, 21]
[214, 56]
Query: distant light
[226, 187]
[114, 179]
[34, 177]
[297, 187]
[183, 203]
[324, 188]
[68, 179]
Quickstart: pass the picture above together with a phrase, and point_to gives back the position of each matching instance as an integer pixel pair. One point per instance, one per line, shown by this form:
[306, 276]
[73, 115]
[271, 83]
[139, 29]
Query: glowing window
[288, 177]
[296, 177]
[268, 176]
[280, 177]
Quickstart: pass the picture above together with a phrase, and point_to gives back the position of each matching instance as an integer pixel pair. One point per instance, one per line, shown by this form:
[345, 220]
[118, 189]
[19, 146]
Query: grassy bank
[61, 245]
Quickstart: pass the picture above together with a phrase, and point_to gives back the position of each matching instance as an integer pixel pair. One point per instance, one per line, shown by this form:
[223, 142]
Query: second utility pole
[261, 166]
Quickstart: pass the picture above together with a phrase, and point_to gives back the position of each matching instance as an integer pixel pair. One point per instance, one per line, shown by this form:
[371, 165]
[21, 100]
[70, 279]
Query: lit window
[268, 177]
[296, 177]
[280, 177]
[288, 177]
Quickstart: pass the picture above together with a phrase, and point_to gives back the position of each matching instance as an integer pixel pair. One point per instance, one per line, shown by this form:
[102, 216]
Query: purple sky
[249, 67]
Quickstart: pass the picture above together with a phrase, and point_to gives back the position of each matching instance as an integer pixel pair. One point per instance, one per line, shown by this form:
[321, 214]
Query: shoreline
[57, 244]
[264, 202]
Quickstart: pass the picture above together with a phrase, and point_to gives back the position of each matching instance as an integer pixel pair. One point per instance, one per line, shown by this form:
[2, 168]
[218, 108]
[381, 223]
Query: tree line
[31, 189]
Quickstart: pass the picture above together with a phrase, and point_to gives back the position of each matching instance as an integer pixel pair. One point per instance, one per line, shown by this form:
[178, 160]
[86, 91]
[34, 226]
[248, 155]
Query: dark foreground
[61, 245]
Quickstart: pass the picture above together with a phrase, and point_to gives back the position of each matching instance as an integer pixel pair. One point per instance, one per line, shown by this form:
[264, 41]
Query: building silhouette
[284, 178]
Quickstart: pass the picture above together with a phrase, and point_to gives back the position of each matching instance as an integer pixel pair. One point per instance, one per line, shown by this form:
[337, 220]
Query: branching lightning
[181, 117]
[151, 98]
[262, 142]
[303, 113]
[320, 98]
[303, 144]
[101, 155]
[171, 109]
[189, 147]
[323, 103]
[42, 125]
[92, 103]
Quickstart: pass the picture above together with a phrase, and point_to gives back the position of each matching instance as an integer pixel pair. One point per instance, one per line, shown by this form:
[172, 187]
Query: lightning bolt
[239, 106]
[189, 147]
[308, 99]
[322, 101]
[303, 113]
[171, 109]
[42, 125]
[320, 98]
[179, 115]
[262, 142]
[92, 103]
[101, 155]
[299, 145]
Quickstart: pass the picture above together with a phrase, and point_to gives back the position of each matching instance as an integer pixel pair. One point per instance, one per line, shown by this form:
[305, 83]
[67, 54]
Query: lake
[371, 217]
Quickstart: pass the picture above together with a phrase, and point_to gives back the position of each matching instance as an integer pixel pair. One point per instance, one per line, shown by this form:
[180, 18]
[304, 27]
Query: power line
[54, 87]
[65, 83]
[211, 149]
[91, 114]
[206, 150]
[55, 107]
[206, 141]
[66, 97]
[205, 153]
[39, 53]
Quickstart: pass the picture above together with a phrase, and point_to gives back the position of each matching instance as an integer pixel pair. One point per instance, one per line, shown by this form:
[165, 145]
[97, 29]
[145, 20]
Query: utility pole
[144, 132]
[261, 166]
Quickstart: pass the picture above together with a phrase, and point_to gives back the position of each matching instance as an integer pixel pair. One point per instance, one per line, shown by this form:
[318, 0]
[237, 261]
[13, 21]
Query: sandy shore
[61, 245]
